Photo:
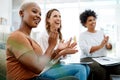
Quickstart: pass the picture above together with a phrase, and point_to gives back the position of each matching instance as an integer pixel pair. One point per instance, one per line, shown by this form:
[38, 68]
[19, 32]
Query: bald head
[27, 4]
[29, 12]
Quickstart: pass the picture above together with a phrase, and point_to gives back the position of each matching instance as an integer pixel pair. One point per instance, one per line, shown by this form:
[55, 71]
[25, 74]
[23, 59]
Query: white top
[43, 41]
[87, 40]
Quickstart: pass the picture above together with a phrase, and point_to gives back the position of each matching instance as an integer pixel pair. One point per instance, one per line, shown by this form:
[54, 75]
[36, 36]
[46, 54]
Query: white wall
[5, 10]
[118, 30]
[70, 17]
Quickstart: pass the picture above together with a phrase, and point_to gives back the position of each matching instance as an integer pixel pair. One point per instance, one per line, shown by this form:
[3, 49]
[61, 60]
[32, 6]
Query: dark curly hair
[84, 16]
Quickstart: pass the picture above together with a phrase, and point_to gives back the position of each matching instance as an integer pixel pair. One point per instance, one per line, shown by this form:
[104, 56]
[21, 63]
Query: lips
[37, 21]
[57, 22]
[93, 24]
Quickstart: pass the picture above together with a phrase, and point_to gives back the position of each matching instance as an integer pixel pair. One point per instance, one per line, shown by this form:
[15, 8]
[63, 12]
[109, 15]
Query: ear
[21, 13]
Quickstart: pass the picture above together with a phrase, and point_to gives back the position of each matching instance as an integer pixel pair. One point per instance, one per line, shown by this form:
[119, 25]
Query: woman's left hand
[62, 45]
[71, 49]
[108, 46]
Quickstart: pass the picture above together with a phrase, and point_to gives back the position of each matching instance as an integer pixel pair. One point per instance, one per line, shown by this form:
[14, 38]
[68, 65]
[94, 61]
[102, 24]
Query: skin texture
[30, 14]
[53, 21]
[88, 20]
[90, 25]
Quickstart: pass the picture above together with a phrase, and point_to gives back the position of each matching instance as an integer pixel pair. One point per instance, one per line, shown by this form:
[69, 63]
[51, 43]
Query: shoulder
[17, 37]
[44, 35]
[83, 34]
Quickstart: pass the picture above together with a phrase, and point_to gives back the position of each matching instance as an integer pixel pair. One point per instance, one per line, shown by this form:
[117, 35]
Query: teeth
[36, 21]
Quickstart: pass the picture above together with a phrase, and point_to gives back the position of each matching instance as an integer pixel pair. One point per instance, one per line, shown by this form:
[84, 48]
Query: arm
[36, 63]
[103, 43]
[95, 48]
[24, 53]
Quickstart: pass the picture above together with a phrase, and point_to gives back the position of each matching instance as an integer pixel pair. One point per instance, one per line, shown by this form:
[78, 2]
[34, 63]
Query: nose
[94, 21]
[59, 18]
[39, 16]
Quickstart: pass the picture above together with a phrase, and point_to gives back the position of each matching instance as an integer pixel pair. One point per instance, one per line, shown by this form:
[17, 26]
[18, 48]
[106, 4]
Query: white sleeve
[43, 42]
[85, 48]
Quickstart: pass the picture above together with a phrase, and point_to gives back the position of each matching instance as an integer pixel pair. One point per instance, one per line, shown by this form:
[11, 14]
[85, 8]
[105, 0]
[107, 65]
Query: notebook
[107, 61]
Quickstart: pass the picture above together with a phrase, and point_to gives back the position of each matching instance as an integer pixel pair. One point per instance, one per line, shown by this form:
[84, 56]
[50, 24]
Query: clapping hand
[105, 41]
[62, 45]
[53, 37]
[70, 48]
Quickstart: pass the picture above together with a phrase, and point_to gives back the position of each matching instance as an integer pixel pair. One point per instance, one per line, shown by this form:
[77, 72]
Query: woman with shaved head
[25, 58]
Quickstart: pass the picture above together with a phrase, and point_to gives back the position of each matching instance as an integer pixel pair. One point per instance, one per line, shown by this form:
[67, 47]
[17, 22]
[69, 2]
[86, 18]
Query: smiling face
[55, 20]
[30, 14]
[91, 23]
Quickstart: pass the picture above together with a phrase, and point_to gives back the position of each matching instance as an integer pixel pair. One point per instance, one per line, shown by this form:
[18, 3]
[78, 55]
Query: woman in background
[95, 43]
[53, 21]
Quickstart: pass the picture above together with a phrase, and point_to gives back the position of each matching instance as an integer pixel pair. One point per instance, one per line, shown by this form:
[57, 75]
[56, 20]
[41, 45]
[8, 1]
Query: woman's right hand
[104, 42]
[53, 37]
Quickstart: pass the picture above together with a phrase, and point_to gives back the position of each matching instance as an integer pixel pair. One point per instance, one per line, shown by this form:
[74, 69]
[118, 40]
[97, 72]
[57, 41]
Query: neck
[53, 28]
[92, 31]
[25, 29]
